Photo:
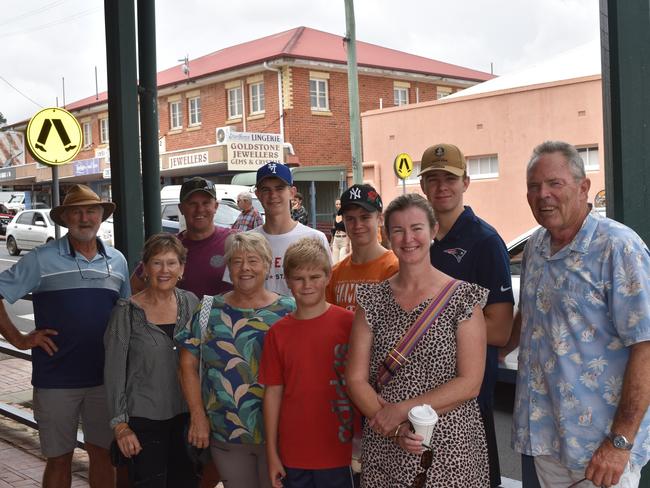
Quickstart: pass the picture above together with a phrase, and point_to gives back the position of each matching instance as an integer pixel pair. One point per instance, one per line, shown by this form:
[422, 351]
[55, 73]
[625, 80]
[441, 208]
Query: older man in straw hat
[75, 281]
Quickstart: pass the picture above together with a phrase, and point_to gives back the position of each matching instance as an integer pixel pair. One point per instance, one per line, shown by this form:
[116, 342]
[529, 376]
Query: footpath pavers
[21, 461]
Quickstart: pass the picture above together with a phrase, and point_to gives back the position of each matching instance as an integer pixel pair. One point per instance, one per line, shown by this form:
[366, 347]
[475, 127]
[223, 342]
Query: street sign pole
[56, 199]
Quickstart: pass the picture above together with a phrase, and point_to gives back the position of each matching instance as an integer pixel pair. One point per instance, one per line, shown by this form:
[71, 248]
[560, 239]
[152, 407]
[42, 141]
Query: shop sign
[190, 159]
[85, 167]
[7, 174]
[247, 151]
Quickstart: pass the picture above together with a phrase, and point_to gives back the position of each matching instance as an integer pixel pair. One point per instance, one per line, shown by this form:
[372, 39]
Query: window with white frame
[318, 94]
[88, 133]
[401, 96]
[103, 131]
[257, 97]
[194, 109]
[483, 167]
[590, 157]
[175, 115]
[235, 103]
[442, 92]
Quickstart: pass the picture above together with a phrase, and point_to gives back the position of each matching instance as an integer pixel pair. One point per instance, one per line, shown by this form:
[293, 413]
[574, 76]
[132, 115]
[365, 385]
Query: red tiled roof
[304, 43]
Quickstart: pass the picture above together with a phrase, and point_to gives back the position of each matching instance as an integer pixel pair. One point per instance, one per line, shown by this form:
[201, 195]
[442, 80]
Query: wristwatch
[620, 441]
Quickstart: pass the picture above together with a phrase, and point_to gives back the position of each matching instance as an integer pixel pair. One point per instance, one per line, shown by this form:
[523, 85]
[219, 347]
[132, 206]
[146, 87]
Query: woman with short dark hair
[147, 410]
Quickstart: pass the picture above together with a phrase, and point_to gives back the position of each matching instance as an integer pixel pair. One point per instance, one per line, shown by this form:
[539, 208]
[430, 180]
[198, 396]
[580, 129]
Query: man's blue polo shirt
[73, 296]
[473, 251]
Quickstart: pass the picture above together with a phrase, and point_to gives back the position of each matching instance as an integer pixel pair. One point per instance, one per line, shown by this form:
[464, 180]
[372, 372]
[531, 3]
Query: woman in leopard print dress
[444, 370]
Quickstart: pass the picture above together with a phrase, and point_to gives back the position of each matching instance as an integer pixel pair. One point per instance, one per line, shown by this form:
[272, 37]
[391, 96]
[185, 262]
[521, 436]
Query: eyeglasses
[426, 460]
[425, 463]
[572, 485]
[92, 273]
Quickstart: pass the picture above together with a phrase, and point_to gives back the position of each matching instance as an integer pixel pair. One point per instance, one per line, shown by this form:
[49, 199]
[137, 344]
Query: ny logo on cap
[440, 151]
[272, 167]
[355, 193]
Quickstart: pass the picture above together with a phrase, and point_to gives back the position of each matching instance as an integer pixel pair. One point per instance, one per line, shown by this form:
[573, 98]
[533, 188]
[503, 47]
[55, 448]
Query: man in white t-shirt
[274, 189]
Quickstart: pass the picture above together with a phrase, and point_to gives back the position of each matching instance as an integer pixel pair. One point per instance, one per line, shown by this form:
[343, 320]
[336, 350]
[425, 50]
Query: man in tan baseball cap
[446, 157]
[468, 248]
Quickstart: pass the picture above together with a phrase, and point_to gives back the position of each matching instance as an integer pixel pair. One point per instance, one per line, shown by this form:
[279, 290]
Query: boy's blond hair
[306, 253]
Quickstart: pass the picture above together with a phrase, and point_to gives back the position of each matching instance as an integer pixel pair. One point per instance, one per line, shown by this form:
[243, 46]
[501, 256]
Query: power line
[51, 24]
[28, 98]
[32, 12]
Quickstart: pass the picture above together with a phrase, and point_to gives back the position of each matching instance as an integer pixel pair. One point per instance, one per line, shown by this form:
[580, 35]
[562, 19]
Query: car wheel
[12, 247]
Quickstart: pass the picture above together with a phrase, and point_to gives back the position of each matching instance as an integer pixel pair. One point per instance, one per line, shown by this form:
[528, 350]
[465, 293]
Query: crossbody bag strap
[204, 316]
[398, 356]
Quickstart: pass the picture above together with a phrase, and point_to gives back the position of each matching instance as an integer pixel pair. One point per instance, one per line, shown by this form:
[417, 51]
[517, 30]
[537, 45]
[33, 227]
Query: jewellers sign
[247, 151]
[188, 159]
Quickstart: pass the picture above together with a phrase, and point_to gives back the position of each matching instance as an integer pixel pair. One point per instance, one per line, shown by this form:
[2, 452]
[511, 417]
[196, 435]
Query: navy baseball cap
[275, 170]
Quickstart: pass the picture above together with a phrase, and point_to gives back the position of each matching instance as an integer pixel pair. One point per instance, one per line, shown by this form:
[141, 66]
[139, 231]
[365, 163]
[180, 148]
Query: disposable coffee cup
[423, 418]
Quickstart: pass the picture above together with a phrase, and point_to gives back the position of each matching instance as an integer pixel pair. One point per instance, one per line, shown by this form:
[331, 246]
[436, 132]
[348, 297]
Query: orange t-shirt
[346, 275]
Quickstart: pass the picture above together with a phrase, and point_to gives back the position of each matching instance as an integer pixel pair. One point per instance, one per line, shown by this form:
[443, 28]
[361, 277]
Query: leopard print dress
[460, 452]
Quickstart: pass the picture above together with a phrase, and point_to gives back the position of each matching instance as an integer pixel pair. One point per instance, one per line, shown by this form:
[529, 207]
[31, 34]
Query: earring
[145, 278]
[179, 278]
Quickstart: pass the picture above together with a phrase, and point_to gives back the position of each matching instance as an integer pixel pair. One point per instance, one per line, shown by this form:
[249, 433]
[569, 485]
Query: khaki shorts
[552, 474]
[57, 412]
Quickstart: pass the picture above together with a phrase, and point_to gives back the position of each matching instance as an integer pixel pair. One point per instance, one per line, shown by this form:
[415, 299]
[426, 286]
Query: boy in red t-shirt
[307, 413]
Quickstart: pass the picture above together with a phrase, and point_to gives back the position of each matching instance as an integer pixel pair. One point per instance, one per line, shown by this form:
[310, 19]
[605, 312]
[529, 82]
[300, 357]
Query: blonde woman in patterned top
[444, 370]
[226, 406]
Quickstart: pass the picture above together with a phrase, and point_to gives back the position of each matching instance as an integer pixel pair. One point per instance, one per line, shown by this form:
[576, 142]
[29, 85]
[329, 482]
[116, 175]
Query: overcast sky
[47, 40]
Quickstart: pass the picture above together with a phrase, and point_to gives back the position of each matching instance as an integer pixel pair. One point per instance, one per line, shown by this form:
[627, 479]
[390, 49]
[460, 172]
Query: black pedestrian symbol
[404, 162]
[60, 129]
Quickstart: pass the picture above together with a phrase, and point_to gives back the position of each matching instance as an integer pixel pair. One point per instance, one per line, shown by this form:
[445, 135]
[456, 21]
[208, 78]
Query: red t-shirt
[308, 358]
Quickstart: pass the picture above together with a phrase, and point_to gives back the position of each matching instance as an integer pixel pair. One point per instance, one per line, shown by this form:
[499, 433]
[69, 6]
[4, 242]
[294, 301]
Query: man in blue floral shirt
[584, 359]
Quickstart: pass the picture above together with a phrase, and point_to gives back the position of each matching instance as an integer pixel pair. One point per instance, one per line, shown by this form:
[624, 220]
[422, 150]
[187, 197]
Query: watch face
[619, 443]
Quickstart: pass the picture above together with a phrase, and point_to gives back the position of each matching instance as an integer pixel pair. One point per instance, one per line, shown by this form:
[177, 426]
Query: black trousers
[163, 461]
[487, 416]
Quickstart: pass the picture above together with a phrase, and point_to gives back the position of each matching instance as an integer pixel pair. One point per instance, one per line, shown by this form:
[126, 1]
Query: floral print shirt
[232, 350]
[581, 310]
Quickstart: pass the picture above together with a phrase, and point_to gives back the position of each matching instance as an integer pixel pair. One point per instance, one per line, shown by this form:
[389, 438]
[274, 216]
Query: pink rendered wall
[507, 123]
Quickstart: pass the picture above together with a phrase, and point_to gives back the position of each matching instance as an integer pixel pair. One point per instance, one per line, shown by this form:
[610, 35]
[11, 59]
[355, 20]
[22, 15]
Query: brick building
[293, 83]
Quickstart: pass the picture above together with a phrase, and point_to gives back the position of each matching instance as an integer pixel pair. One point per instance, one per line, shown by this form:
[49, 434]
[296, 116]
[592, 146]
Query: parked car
[173, 221]
[5, 217]
[28, 229]
[225, 194]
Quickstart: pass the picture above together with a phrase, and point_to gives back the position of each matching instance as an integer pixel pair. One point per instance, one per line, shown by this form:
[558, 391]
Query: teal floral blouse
[232, 350]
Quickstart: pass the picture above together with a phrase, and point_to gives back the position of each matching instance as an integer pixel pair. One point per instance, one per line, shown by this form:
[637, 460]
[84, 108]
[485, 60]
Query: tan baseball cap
[445, 157]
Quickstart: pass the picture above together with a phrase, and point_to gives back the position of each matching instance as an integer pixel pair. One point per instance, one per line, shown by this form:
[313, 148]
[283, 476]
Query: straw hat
[80, 195]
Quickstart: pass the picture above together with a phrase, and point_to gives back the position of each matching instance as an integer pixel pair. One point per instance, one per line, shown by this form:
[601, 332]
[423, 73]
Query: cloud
[51, 39]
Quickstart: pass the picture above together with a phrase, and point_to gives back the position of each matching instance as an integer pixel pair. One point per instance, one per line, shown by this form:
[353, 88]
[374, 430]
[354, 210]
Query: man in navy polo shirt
[468, 248]
[75, 281]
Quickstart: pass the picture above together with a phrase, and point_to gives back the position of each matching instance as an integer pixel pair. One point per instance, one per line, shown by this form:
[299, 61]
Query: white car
[28, 229]
[31, 228]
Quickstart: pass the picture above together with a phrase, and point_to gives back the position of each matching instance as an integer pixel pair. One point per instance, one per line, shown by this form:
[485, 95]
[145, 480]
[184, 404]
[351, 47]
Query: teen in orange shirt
[369, 262]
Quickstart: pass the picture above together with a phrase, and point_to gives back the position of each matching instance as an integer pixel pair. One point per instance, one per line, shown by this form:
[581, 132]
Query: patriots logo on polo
[273, 167]
[440, 151]
[355, 193]
[456, 252]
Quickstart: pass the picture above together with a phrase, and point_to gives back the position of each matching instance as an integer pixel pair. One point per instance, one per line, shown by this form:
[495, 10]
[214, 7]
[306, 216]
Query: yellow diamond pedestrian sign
[403, 166]
[54, 136]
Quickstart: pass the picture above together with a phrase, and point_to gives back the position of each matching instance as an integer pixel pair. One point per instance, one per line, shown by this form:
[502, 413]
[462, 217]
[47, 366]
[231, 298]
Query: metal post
[353, 94]
[149, 116]
[56, 199]
[625, 37]
[123, 126]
